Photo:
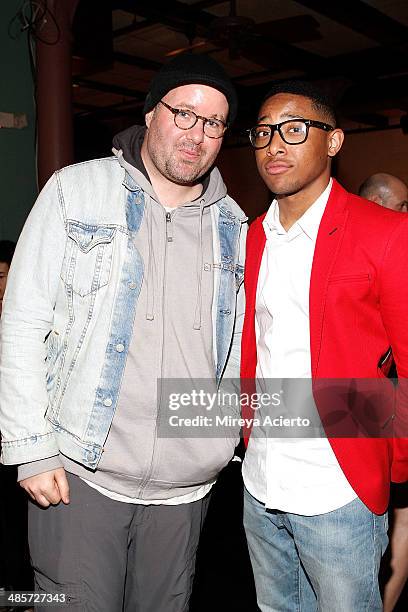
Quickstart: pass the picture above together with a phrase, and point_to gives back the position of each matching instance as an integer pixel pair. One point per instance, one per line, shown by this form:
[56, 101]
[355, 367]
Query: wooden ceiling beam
[172, 13]
[362, 18]
[133, 27]
[371, 95]
[374, 62]
[204, 4]
[134, 60]
[266, 51]
[108, 112]
[109, 88]
[368, 63]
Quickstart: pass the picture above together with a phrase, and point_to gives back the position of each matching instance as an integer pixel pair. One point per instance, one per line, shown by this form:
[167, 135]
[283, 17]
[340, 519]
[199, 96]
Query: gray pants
[109, 556]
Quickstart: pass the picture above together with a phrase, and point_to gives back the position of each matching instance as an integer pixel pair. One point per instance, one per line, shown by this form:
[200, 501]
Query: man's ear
[335, 141]
[148, 118]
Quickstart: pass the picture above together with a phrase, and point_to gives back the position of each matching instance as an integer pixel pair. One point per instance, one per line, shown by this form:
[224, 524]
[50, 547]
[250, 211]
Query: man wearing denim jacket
[127, 272]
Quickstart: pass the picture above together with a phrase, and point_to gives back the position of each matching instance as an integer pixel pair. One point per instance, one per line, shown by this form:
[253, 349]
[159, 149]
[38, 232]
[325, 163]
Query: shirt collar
[308, 223]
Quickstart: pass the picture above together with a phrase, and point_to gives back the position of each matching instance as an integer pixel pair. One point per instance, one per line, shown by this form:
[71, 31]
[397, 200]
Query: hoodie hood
[127, 148]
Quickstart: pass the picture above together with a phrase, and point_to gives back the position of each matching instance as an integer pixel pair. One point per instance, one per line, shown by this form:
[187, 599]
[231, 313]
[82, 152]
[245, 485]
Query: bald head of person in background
[387, 190]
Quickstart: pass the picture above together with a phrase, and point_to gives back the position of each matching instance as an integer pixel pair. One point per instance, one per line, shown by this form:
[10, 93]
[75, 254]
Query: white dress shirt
[297, 475]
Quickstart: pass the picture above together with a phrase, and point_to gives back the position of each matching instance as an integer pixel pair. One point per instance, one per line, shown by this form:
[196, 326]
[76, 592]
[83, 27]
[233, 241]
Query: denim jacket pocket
[88, 257]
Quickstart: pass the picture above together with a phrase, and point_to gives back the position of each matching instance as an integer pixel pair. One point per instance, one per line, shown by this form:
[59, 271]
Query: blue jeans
[328, 562]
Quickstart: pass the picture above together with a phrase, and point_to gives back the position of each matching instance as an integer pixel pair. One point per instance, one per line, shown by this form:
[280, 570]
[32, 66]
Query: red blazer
[358, 305]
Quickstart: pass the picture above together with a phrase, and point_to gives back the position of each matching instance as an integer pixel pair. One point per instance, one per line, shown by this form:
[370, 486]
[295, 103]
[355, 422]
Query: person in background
[128, 268]
[325, 299]
[15, 570]
[391, 192]
[387, 190]
[6, 255]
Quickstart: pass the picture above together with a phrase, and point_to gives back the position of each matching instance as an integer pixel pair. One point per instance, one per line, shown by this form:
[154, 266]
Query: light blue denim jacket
[74, 282]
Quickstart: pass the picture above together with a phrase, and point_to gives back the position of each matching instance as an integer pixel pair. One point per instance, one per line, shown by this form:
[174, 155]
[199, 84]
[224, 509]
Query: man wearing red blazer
[327, 298]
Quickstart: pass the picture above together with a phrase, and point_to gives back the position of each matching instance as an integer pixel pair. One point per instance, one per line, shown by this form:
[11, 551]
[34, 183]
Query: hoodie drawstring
[198, 308]
[149, 279]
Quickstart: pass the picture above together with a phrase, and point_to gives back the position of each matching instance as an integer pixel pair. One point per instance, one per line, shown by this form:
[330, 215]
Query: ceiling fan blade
[278, 56]
[196, 45]
[301, 28]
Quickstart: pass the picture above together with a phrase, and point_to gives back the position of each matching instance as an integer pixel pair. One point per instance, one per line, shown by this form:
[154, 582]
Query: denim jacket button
[120, 348]
[107, 402]
[132, 285]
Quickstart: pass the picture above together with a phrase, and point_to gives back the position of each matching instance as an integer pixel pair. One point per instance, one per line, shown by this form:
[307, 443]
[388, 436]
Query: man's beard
[183, 175]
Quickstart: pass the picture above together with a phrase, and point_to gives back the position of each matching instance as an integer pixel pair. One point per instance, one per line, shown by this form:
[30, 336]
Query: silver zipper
[169, 228]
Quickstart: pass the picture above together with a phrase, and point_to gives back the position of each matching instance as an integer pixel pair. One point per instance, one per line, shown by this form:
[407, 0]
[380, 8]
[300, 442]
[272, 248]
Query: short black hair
[7, 251]
[321, 101]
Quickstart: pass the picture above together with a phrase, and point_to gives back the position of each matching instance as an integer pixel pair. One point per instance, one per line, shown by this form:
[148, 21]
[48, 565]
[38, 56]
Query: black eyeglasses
[293, 132]
[185, 119]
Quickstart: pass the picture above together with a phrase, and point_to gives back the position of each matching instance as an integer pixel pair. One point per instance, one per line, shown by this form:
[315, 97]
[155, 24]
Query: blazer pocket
[349, 278]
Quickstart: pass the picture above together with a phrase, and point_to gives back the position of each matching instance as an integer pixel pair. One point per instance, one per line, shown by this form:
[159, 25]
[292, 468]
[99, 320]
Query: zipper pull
[169, 229]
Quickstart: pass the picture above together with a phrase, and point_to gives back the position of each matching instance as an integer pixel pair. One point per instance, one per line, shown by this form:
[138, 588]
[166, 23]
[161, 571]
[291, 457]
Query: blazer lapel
[253, 261]
[328, 242]
[255, 247]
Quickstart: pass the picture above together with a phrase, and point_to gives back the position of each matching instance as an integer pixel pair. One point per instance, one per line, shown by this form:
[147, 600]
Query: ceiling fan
[223, 31]
[241, 35]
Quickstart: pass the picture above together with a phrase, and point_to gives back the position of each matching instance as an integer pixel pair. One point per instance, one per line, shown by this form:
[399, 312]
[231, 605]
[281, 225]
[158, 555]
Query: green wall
[17, 150]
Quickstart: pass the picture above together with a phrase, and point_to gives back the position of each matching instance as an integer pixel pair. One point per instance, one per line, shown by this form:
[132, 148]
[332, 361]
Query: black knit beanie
[189, 69]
